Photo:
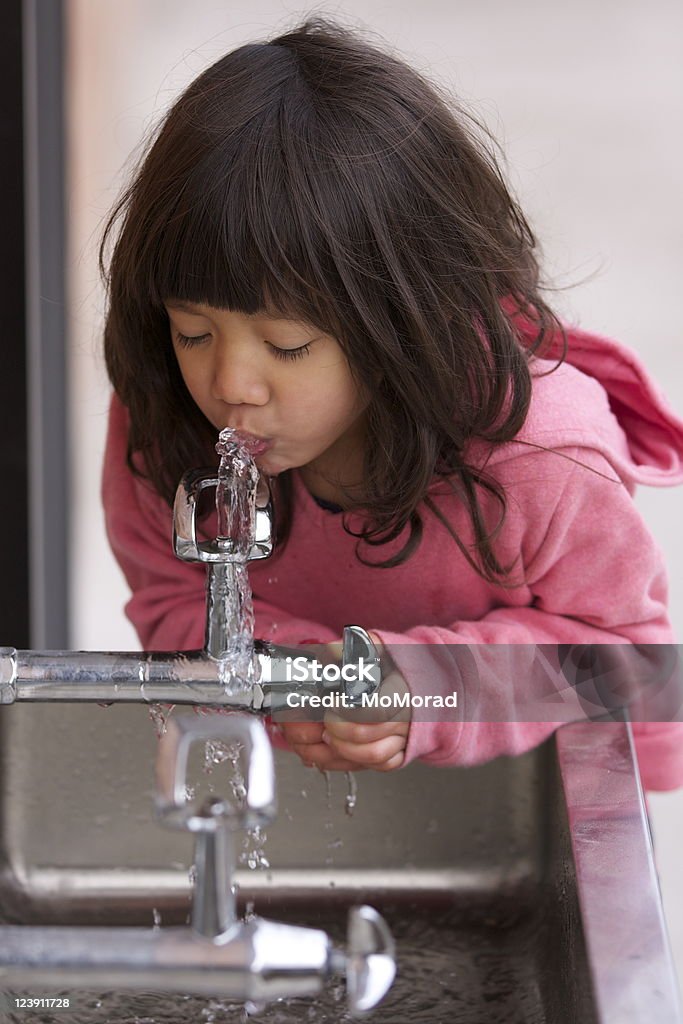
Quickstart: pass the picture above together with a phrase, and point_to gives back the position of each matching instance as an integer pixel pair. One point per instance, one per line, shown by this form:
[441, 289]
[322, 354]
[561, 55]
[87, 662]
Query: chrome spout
[205, 677]
[223, 598]
[214, 820]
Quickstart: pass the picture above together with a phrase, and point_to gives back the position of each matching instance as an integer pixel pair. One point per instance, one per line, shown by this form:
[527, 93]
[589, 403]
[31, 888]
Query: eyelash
[290, 353]
[280, 353]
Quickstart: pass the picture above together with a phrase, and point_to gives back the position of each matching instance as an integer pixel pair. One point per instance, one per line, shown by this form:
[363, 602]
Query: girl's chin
[272, 462]
[269, 465]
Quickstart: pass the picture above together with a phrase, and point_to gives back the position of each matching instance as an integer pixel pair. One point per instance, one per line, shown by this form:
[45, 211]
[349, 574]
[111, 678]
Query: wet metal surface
[522, 890]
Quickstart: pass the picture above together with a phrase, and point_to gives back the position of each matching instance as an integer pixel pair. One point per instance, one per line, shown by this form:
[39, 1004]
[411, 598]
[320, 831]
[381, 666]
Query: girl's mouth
[256, 445]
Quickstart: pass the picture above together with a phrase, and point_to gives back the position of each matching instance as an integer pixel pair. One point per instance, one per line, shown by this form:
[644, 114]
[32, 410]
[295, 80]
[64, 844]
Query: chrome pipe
[259, 960]
[111, 677]
[173, 677]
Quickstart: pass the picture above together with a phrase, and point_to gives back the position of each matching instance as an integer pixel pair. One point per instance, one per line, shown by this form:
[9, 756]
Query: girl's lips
[256, 445]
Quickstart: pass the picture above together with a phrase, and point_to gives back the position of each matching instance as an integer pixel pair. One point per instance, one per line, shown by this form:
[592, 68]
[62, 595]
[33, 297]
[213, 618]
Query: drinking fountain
[256, 960]
[522, 890]
[189, 677]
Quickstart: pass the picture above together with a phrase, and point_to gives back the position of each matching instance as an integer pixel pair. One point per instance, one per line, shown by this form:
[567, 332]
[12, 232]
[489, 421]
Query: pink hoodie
[593, 574]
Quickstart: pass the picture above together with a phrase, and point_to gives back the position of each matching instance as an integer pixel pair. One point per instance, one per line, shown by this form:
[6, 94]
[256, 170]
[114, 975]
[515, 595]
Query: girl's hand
[306, 740]
[371, 738]
[355, 739]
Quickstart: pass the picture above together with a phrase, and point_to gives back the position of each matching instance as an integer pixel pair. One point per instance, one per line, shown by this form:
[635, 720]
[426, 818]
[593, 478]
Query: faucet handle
[357, 647]
[370, 959]
[185, 543]
[172, 803]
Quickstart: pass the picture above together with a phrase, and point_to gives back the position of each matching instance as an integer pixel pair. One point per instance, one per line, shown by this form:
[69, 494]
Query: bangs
[238, 233]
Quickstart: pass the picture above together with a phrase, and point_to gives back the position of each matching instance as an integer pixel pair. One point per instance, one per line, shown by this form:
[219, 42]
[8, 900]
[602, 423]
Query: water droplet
[253, 855]
[328, 789]
[352, 794]
[159, 715]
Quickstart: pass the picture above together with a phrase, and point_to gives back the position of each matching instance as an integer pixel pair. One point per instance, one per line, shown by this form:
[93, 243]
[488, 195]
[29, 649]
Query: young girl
[320, 251]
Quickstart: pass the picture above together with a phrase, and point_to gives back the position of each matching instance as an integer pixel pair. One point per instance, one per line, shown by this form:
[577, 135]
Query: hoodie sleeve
[594, 576]
[167, 606]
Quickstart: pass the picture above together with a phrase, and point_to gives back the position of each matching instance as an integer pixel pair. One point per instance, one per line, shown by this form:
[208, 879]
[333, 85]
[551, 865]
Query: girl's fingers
[371, 754]
[393, 691]
[302, 732]
[394, 762]
[357, 732]
[345, 743]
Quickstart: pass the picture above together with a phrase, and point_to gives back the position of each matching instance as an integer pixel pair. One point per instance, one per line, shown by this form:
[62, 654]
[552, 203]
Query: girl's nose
[238, 381]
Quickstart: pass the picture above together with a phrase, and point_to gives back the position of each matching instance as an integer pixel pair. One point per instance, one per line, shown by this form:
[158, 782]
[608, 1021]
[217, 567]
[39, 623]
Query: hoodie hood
[649, 449]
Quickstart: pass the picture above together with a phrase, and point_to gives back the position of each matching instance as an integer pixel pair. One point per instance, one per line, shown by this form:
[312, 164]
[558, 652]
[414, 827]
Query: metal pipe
[214, 909]
[259, 960]
[176, 677]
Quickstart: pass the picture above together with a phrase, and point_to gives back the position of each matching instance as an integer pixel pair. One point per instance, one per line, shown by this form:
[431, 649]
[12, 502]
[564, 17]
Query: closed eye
[187, 341]
[290, 353]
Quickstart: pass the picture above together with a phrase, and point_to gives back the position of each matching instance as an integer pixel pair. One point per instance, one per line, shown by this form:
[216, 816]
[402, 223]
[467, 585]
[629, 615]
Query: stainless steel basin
[519, 891]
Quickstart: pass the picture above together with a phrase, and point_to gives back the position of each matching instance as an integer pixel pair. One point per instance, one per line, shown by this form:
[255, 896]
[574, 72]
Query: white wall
[586, 98]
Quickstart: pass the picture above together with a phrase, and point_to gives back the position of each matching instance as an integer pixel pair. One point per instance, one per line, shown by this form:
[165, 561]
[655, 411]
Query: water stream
[235, 514]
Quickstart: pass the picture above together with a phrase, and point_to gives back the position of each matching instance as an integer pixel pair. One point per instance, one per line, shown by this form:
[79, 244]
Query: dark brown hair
[321, 178]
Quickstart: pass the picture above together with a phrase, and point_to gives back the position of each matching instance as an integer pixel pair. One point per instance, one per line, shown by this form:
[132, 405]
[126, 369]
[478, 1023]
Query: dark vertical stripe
[14, 555]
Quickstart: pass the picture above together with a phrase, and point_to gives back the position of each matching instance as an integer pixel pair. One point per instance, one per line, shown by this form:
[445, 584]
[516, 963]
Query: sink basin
[519, 891]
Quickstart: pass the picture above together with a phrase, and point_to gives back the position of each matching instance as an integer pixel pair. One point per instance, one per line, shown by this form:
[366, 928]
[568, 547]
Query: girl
[320, 251]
